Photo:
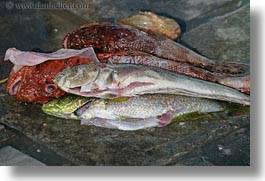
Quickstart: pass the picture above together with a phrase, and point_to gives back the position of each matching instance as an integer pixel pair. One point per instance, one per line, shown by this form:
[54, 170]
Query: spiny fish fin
[29, 58]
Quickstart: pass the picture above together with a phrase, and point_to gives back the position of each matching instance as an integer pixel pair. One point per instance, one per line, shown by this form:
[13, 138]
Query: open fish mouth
[15, 86]
[65, 41]
[81, 110]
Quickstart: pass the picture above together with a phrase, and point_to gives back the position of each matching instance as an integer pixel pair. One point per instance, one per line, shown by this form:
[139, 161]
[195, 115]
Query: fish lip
[65, 41]
[15, 86]
[81, 110]
[57, 78]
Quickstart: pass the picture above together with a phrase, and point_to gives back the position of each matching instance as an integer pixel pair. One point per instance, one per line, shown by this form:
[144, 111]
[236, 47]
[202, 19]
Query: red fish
[31, 79]
[35, 83]
[111, 38]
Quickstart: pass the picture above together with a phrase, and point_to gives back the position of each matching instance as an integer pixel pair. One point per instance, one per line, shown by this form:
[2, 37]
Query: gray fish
[126, 80]
[130, 113]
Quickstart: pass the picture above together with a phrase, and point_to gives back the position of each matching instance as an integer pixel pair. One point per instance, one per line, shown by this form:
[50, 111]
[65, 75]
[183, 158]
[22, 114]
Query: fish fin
[167, 117]
[240, 83]
[89, 53]
[29, 58]
[232, 68]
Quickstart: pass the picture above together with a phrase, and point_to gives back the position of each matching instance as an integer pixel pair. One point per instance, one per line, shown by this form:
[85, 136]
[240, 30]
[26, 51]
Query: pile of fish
[126, 75]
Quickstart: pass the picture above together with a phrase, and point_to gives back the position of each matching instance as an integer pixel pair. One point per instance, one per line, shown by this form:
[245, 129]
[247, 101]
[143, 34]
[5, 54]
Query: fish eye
[50, 88]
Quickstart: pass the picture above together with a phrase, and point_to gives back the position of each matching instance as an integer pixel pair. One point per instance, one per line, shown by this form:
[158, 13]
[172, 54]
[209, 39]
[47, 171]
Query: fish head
[74, 79]
[66, 106]
[35, 83]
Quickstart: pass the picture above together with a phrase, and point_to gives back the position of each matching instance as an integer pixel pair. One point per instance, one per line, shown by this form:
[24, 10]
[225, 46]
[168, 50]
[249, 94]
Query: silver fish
[150, 110]
[126, 80]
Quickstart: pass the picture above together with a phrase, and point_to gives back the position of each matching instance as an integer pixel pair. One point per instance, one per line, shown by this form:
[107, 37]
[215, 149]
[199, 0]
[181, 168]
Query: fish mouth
[65, 41]
[81, 110]
[14, 86]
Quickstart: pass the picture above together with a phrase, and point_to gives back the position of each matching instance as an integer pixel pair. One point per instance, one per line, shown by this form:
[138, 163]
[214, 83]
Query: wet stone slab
[11, 157]
[189, 13]
[37, 30]
[218, 29]
[229, 39]
[5, 135]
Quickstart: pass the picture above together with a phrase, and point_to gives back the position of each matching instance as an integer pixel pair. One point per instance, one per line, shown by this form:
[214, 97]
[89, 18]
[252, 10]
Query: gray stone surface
[229, 37]
[5, 134]
[90, 145]
[10, 156]
[189, 13]
[40, 30]
[218, 29]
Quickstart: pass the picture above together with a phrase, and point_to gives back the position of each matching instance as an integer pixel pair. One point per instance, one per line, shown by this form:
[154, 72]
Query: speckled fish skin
[126, 80]
[144, 111]
[148, 105]
[110, 38]
[129, 113]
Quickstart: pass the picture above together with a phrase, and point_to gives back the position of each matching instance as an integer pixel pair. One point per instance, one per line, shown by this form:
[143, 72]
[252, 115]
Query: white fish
[126, 80]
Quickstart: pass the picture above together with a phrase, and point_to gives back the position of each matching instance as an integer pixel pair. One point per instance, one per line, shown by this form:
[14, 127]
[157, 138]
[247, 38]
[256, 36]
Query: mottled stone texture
[225, 38]
[40, 30]
[218, 29]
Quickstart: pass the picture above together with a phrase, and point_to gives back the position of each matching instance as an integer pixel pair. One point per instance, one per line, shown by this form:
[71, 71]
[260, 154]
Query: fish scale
[150, 110]
[147, 106]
